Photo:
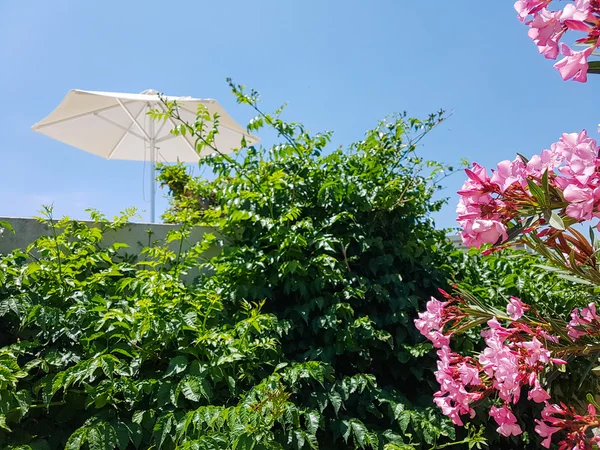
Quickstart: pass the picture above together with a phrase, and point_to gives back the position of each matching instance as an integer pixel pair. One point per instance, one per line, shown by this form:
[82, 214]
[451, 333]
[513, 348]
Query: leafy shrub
[341, 245]
[101, 350]
[299, 335]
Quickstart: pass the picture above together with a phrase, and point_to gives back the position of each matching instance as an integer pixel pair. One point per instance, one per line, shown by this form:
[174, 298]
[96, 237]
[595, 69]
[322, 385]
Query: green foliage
[101, 350]
[298, 335]
[5, 226]
[496, 277]
[341, 246]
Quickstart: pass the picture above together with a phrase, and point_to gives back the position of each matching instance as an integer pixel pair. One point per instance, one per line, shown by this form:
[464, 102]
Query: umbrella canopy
[117, 126]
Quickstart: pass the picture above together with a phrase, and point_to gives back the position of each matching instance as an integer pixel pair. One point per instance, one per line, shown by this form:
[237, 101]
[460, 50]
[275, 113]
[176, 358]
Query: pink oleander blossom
[538, 394]
[581, 201]
[509, 173]
[545, 431]
[477, 232]
[536, 351]
[525, 8]
[548, 160]
[515, 359]
[506, 420]
[546, 30]
[573, 426]
[548, 23]
[500, 362]
[580, 155]
[455, 375]
[574, 64]
[515, 308]
[575, 14]
[430, 323]
[584, 322]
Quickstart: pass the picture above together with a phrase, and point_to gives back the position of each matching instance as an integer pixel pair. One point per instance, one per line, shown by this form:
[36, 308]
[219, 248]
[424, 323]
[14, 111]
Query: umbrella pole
[152, 172]
[152, 181]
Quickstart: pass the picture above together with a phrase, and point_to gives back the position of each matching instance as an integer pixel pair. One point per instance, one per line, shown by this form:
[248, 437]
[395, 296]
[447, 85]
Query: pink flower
[585, 322]
[546, 30]
[469, 375]
[538, 164]
[575, 64]
[430, 323]
[589, 313]
[474, 193]
[510, 172]
[578, 144]
[538, 394]
[549, 410]
[455, 373]
[506, 420]
[501, 363]
[575, 15]
[525, 8]
[477, 232]
[581, 202]
[478, 174]
[576, 427]
[545, 431]
[515, 309]
[580, 154]
[536, 351]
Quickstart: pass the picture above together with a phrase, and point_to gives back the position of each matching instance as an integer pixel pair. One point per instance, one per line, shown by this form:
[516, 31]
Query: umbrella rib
[112, 152]
[133, 120]
[166, 138]
[115, 124]
[78, 116]
[127, 131]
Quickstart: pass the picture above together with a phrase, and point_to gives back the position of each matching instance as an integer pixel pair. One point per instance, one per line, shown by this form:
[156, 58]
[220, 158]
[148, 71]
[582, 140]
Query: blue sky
[341, 65]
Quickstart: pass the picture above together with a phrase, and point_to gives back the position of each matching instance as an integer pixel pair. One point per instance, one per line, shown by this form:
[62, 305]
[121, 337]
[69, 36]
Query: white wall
[136, 235]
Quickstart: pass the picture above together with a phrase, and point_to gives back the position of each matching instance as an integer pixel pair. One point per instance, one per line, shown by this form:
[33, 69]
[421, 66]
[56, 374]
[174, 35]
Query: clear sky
[341, 65]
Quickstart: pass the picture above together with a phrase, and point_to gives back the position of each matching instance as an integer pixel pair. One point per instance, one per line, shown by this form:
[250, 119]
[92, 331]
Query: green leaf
[102, 437]
[575, 279]
[107, 363]
[77, 439]
[404, 420]
[162, 429]
[313, 419]
[6, 225]
[177, 365]
[357, 430]
[23, 398]
[556, 222]
[166, 394]
[593, 67]
[194, 388]
[32, 268]
[122, 433]
[537, 192]
[244, 442]
[3, 424]
[336, 401]
[545, 185]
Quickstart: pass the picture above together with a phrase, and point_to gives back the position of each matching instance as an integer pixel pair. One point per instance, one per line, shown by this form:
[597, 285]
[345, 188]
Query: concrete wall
[136, 235]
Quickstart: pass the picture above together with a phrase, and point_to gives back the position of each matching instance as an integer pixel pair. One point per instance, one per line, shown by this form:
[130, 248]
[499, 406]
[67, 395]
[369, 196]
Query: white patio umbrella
[116, 126]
